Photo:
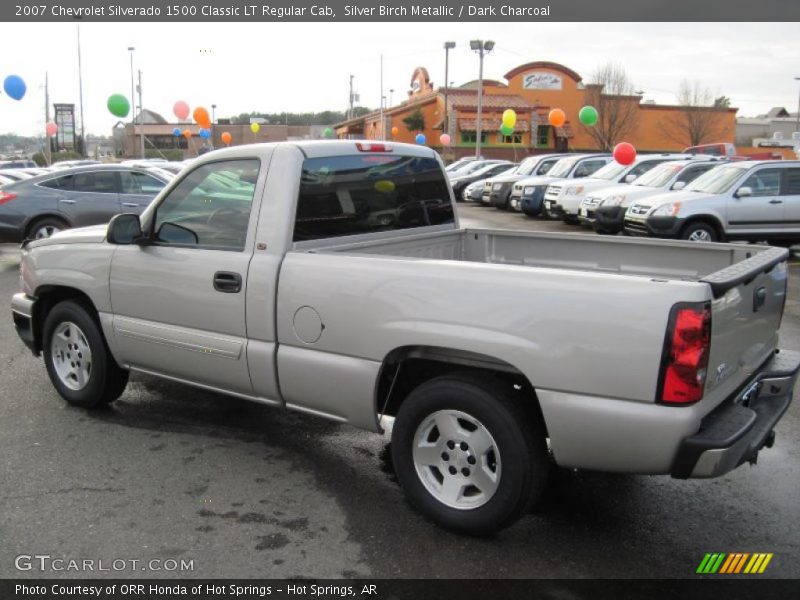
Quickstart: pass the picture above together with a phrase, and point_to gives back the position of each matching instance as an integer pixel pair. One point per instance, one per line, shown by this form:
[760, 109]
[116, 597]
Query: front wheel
[699, 232]
[77, 359]
[467, 454]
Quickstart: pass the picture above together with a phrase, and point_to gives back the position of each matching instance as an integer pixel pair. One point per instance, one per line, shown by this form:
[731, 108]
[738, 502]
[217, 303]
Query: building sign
[541, 80]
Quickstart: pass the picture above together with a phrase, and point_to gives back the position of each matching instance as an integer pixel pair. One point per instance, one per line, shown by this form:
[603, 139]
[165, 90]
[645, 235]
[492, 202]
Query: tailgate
[745, 316]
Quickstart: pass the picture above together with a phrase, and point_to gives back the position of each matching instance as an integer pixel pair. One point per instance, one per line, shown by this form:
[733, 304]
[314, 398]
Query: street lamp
[797, 123]
[133, 101]
[391, 91]
[447, 47]
[213, 121]
[481, 48]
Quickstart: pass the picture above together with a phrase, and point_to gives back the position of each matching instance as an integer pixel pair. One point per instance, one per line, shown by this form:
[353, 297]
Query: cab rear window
[349, 195]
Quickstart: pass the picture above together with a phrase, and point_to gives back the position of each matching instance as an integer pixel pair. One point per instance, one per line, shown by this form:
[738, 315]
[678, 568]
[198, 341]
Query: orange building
[531, 90]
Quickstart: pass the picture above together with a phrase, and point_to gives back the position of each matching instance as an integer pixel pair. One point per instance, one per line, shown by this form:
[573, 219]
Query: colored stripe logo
[734, 563]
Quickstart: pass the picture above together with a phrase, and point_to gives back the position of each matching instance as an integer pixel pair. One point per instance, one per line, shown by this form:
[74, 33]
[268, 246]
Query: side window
[692, 173]
[99, 182]
[643, 167]
[587, 167]
[134, 182]
[59, 183]
[792, 182]
[766, 182]
[210, 207]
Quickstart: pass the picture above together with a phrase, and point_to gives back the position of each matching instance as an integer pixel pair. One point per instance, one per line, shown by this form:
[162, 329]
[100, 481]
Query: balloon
[180, 109]
[50, 129]
[15, 87]
[384, 186]
[624, 153]
[226, 138]
[187, 133]
[509, 117]
[420, 139]
[204, 133]
[588, 115]
[444, 139]
[201, 117]
[328, 133]
[254, 127]
[176, 132]
[506, 129]
[557, 117]
[395, 131]
[118, 105]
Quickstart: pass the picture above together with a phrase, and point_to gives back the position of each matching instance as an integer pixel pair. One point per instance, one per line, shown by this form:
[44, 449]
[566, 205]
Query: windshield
[563, 167]
[526, 167]
[658, 176]
[610, 171]
[717, 181]
[495, 167]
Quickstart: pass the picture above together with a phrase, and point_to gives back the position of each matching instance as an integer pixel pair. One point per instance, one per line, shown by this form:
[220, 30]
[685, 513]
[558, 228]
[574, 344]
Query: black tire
[106, 380]
[46, 223]
[518, 435]
[699, 229]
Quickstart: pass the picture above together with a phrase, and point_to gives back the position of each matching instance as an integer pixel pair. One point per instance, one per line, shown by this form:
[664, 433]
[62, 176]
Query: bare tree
[701, 118]
[613, 95]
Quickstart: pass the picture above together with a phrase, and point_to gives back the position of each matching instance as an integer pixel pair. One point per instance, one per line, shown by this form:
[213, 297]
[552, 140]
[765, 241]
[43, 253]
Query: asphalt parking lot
[242, 490]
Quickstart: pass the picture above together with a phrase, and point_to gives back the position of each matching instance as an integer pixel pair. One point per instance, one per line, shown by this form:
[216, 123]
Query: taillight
[365, 147]
[684, 362]
[6, 197]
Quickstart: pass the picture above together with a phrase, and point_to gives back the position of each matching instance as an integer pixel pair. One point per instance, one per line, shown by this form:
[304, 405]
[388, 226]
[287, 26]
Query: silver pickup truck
[332, 278]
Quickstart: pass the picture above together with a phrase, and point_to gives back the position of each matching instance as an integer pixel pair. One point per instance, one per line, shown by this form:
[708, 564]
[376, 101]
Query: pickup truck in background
[291, 288]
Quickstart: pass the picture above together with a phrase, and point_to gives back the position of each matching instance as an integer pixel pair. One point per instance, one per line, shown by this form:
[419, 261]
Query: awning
[521, 126]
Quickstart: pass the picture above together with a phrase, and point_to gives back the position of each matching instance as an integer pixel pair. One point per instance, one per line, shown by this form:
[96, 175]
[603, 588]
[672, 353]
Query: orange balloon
[226, 138]
[395, 131]
[557, 117]
[201, 117]
[187, 133]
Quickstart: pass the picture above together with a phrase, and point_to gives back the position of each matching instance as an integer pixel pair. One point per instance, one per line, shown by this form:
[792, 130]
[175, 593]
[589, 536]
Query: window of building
[515, 138]
[470, 137]
[543, 135]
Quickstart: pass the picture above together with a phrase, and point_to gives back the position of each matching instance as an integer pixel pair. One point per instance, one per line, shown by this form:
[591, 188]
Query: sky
[300, 67]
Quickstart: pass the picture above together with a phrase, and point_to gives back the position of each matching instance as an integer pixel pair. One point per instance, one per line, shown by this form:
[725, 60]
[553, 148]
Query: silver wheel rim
[45, 231]
[72, 357]
[699, 235]
[456, 459]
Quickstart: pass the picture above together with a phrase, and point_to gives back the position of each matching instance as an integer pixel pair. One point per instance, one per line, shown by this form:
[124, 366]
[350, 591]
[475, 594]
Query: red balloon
[181, 110]
[624, 153]
[51, 129]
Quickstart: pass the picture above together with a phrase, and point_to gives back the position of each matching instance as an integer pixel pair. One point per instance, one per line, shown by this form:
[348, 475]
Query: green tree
[415, 121]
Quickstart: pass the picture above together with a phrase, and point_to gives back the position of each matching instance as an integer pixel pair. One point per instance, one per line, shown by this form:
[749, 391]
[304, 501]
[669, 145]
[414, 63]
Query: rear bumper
[22, 313]
[740, 427]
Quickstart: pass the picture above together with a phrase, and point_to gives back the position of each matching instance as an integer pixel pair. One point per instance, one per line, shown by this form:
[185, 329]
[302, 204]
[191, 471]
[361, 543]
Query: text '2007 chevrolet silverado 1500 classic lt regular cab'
[332, 278]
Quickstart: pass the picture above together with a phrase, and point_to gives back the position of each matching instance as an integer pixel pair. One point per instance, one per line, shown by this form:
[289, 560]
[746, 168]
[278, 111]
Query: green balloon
[588, 115]
[506, 130]
[328, 133]
[118, 105]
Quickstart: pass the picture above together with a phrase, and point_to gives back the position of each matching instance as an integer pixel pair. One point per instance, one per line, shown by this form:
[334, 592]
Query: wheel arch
[709, 220]
[47, 296]
[50, 214]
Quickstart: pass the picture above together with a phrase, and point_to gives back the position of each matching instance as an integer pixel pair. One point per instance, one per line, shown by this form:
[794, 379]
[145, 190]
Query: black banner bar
[333, 11]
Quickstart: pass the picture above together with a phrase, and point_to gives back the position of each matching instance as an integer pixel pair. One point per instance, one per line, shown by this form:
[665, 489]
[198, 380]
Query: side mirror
[743, 192]
[124, 229]
[630, 178]
[678, 185]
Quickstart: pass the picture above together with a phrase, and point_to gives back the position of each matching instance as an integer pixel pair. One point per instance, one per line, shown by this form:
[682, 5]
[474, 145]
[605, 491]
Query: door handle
[227, 282]
[129, 204]
[774, 201]
[68, 201]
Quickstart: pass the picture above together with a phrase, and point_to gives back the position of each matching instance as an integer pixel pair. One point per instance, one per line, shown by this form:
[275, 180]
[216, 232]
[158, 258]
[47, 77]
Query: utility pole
[481, 48]
[48, 157]
[447, 47]
[80, 93]
[383, 120]
[350, 111]
[141, 114]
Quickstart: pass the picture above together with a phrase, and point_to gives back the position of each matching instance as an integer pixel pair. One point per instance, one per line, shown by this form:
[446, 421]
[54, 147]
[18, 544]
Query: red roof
[490, 125]
[490, 101]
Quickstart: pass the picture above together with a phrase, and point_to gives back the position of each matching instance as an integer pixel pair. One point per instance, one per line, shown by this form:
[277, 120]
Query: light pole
[447, 47]
[133, 102]
[213, 121]
[481, 48]
[797, 123]
[391, 91]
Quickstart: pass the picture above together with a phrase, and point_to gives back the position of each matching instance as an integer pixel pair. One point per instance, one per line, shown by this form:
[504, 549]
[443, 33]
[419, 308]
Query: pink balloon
[51, 129]
[181, 109]
[444, 139]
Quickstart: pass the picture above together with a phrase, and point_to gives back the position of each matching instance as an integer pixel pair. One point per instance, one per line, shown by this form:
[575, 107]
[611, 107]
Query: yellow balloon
[509, 117]
[255, 127]
[384, 186]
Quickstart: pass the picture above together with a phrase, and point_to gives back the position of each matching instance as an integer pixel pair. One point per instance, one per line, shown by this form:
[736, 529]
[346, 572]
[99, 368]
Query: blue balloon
[176, 132]
[15, 87]
[205, 133]
[420, 139]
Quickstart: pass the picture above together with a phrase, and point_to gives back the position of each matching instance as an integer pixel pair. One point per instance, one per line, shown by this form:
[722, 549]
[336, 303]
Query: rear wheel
[699, 232]
[77, 359]
[467, 455]
[44, 228]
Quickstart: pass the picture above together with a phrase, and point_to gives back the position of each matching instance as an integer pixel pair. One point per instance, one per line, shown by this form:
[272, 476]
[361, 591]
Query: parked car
[42, 205]
[68, 164]
[747, 200]
[604, 209]
[497, 190]
[562, 201]
[461, 162]
[5, 180]
[17, 174]
[473, 191]
[287, 294]
[17, 164]
[477, 171]
[527, 194]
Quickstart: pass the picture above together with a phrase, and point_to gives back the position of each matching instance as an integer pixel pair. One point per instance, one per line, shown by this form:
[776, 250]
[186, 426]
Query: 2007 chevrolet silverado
[332, 278]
